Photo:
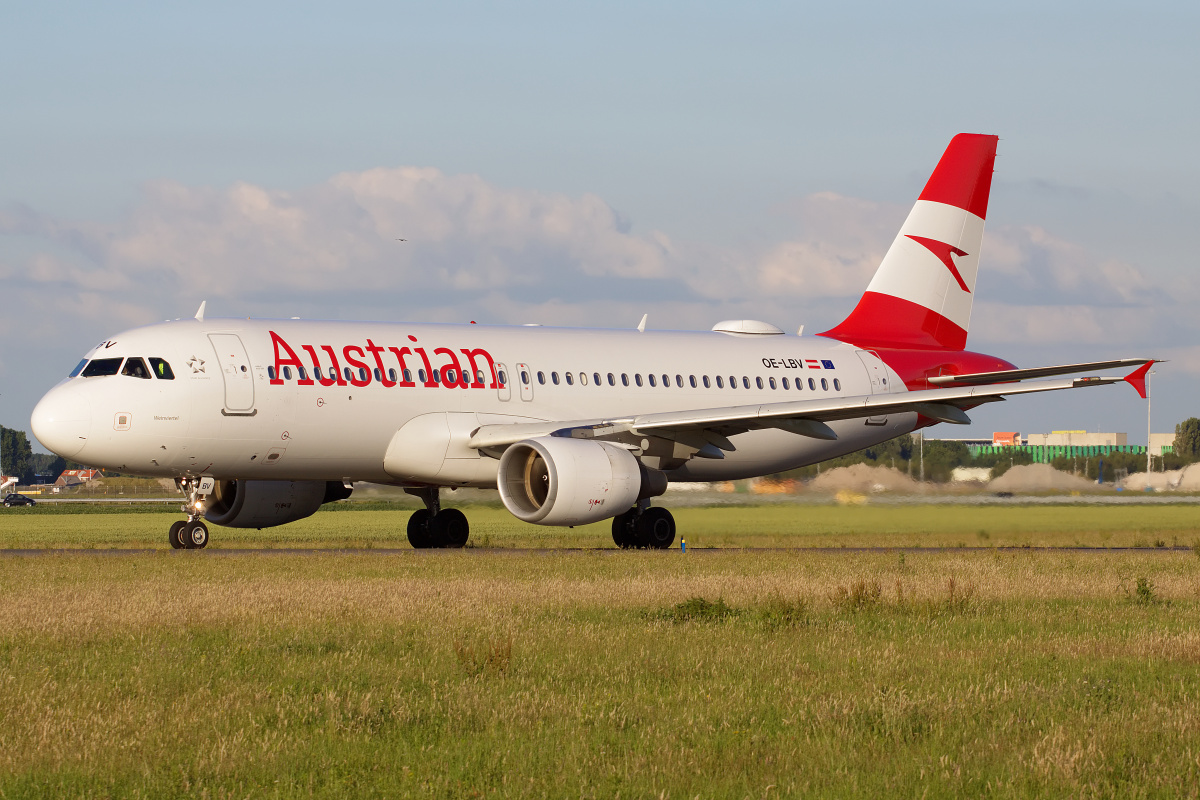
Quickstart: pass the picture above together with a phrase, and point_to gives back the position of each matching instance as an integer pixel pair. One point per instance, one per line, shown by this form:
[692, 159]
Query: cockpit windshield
[135, 367]
[100, 367]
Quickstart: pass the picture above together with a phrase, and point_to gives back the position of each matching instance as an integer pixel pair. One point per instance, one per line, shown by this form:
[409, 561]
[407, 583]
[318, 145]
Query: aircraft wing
[705, 432]
[1036, 372]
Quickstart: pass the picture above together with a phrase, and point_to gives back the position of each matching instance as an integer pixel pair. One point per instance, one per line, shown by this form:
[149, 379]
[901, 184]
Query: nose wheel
[192, 533]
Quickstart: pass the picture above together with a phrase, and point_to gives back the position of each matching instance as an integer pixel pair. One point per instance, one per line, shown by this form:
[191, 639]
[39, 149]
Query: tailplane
[921, 294]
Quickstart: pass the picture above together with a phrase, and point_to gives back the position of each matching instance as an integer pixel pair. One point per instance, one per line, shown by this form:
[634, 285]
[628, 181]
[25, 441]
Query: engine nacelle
[264, 504]
[559, 481]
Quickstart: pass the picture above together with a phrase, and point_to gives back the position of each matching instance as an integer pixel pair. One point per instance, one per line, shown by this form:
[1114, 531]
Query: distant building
[74, 477]
[1162, 443]
[1077, 439]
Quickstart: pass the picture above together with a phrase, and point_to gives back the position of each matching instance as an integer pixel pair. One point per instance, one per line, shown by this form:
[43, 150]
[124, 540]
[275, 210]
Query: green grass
[381, 525]
[597, 674]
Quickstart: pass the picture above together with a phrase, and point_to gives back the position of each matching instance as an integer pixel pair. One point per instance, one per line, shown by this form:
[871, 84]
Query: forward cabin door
[877, 374]
[235, 370]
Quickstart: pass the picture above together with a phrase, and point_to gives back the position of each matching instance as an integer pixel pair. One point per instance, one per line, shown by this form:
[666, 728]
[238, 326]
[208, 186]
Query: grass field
[382, 525]
[507, 672]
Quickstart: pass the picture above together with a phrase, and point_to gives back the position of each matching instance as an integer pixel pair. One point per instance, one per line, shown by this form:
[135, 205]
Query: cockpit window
[161, 369]
[136, 368]
[100, 367]
[78, 368]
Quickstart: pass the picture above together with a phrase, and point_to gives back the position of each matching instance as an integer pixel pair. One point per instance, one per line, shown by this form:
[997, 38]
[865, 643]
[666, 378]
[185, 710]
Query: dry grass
[472, 673]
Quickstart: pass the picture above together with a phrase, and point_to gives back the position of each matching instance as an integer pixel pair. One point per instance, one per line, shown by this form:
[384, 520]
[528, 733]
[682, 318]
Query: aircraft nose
[61, 421]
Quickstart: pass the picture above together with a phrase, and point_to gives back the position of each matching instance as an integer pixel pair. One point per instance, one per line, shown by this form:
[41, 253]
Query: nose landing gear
[434, 526]
[644, 526]
[192, 533]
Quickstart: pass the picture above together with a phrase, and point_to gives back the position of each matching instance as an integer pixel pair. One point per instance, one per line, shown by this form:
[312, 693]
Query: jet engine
[265, 504]
[559, 481]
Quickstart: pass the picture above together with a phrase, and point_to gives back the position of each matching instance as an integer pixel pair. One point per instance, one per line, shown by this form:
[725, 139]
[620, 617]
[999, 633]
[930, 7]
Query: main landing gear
[192, 533]
[434, 526]
[644, 526]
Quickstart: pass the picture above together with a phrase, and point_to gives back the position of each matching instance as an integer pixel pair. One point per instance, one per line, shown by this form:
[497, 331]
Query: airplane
[261, 422]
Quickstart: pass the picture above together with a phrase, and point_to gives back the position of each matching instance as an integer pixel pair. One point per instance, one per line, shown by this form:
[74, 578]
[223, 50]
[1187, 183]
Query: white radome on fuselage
[190, 426]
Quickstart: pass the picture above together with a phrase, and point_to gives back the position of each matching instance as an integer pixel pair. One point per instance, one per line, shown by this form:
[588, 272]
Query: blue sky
[682, 150]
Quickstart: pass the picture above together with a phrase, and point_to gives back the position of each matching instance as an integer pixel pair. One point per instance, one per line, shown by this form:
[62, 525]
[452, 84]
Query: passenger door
[877, 373]
[235, 370]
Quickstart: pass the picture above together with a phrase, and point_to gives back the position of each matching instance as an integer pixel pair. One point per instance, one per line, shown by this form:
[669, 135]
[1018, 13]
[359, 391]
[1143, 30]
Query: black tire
[419, 535]
[622, 530]
[173, 536]
[656, 529]
[450, 528]
[194, 535]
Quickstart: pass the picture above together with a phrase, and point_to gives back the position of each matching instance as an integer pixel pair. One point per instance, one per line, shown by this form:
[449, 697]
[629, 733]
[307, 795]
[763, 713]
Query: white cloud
[513, 255]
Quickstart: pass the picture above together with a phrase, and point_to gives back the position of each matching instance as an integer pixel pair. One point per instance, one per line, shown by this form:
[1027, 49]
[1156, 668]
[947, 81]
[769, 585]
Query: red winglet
[1137, 378]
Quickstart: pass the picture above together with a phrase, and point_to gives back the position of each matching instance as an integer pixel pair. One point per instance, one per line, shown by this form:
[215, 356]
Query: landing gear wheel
[173, 536]
[419, 535]
[194, 535]
[655, 528]
[622, 530]
[450, 528]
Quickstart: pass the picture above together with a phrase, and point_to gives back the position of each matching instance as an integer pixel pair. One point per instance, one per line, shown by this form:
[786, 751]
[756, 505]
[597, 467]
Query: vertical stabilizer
[921, 294]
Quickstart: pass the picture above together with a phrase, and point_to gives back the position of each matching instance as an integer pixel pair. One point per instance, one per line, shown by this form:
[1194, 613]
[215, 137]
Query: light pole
[1148, 434]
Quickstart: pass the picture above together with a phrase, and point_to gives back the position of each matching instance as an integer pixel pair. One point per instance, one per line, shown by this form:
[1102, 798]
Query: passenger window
[437, 376]
[161, 369]
[554, 378]
[136, 368]
[786, 385]
[349, 375]
[824, 385]
[758, 382]
[637, 378]
[271, 373]
[570, 378]
[624, 379]
[837, 385]
[652, 380]
[408, 376]
[421, 376]
[720, 382]
[102, 367]
[303, 373]
[378, 375]
[78, 368]
[611, 380]
[666, 381]
[287, 373]
[745, 382]
[799, 384]
[583, 379]
[392, 375]
[706, 383]
[679, 381]
[542, 378]
[692, 380]
[503, 379]
[772, 382]
[595, 378]
[732, 382]
[524, 377]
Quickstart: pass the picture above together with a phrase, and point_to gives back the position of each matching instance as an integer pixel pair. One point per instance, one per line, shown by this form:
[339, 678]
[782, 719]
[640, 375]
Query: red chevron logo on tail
[944, 252]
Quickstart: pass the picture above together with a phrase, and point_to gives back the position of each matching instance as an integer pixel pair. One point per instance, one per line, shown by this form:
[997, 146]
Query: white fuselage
[238, 406]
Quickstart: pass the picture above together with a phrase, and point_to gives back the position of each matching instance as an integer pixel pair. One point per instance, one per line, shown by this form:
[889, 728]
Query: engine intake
[265, 504]
[560, 481]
